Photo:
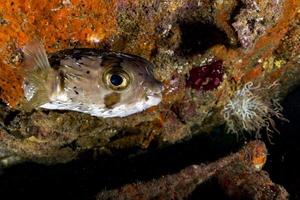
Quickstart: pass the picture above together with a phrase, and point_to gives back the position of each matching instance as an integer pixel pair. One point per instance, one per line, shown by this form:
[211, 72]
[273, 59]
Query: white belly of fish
[118, 111]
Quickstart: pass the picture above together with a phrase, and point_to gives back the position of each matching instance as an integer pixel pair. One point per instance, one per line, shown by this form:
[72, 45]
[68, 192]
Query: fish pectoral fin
[35, 55]
[38, 99]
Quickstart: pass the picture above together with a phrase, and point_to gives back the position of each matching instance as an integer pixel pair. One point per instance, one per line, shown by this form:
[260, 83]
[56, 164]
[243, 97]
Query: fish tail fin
[35, 56]
[36, 71]
[36, 89]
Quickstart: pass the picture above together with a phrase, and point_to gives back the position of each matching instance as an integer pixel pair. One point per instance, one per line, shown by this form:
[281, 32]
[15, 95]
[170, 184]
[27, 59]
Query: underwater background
[223, 69]
[84, 178]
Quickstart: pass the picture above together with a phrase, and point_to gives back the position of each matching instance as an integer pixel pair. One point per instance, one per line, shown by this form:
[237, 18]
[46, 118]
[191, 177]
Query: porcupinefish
[92, 81]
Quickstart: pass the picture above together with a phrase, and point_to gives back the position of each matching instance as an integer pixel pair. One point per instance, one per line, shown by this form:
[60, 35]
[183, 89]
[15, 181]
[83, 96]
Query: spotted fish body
[102, 84]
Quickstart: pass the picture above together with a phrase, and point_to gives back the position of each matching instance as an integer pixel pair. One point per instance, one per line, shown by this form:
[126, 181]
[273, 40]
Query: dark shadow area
[198, 37]
[209, 190]
[240, 5]
[10, 117]
[283, 162]
[83, 178]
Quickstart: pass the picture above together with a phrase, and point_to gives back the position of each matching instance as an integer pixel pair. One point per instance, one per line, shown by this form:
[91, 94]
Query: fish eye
[116, 79]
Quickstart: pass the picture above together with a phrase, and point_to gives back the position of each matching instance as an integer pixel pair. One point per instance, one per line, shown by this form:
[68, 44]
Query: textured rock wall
[206, 54]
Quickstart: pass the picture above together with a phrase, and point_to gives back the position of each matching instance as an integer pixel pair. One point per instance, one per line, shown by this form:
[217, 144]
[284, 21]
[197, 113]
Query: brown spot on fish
[62, 80]
[109, 61]
[112, 99]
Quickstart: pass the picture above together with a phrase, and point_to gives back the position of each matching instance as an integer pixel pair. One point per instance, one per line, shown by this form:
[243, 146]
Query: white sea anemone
[251, 109]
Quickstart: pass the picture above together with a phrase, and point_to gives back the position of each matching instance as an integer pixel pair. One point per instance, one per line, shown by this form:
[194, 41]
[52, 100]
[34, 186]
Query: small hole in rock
[199, 37]
[10, 117]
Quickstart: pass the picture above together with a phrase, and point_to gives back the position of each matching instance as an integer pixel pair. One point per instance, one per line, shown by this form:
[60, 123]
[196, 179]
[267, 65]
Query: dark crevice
[236, 11]
[198, 37]
[10, 117]
[73, 145]
[210, 189]
[2, 104]
[126, 132]
[233, 15]
[178, 113]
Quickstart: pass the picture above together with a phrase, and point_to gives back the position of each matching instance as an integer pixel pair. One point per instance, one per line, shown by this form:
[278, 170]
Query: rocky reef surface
[221, 63]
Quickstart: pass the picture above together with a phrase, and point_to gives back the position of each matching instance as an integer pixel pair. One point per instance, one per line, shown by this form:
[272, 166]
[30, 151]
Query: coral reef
[182, 38]
[217, 61]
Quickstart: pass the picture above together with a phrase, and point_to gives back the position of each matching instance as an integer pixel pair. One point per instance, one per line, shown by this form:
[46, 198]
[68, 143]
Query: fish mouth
[155, 91]
[154, 97]
[153, 100]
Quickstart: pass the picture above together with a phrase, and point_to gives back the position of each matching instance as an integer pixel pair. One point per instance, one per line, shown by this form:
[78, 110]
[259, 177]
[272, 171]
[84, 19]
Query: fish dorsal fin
[35, 56]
